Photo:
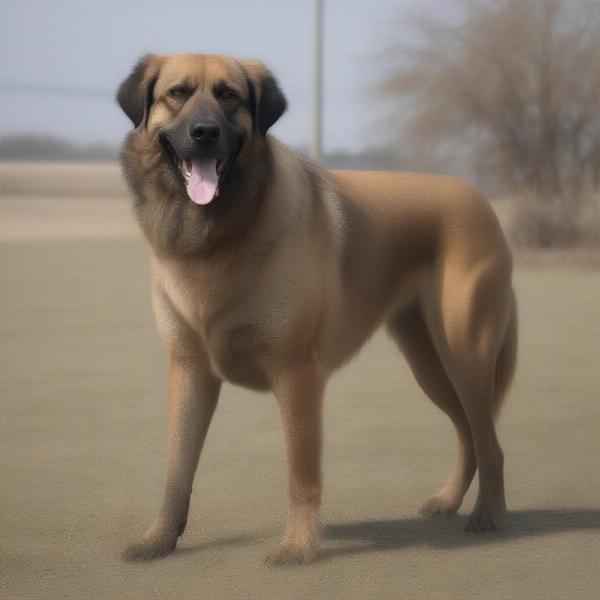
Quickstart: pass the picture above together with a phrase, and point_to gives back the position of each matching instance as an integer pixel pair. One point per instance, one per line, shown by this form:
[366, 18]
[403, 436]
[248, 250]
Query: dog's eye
[227, 94]
[177, 92]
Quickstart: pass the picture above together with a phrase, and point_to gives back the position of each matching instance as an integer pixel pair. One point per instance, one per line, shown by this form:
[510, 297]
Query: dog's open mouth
[201, 175]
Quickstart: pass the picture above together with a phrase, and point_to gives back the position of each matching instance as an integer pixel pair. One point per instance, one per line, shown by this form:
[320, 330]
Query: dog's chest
[189, 295]
[236, 335]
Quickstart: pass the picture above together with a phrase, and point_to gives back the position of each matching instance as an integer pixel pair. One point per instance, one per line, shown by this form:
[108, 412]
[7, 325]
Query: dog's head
[203, 111]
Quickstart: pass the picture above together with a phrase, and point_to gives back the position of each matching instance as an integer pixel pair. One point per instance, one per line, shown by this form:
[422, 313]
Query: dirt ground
[82, 439]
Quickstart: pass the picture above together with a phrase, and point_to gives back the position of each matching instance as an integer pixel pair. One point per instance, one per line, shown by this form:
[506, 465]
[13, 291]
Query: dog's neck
[171, 222]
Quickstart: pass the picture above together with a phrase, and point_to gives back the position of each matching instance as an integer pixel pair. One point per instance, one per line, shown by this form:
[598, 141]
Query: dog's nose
[206, 132]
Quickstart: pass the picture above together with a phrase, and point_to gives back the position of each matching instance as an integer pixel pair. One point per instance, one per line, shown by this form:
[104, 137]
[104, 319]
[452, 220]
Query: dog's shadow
[448, 533]
[357, 537]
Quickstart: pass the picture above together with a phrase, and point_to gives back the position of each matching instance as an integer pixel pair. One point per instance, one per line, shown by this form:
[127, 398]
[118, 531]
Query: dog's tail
[507, 359]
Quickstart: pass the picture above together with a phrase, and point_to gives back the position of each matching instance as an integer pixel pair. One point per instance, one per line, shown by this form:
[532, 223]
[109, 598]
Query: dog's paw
[150, 547]
[437, 506]
[482, 520]
[287, 555]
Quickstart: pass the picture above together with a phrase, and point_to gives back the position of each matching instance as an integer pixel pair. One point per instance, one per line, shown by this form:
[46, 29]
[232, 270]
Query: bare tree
[514, 85]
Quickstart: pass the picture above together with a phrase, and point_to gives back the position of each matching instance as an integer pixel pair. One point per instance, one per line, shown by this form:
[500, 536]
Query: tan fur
[290, 283]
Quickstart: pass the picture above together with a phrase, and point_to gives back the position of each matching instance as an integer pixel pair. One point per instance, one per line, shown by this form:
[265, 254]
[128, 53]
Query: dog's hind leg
[472, 326]
[413, 338]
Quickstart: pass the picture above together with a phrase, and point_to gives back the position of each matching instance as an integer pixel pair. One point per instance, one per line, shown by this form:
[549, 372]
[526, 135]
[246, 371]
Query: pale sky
[62, 60]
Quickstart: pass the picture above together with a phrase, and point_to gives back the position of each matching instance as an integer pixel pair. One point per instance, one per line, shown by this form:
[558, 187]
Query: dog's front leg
[193, 395]
[299, 393]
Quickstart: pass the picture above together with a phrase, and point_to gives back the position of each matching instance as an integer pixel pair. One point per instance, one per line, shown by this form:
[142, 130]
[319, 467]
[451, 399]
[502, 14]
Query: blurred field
[63, 200]
[82, 437]
[58, 179]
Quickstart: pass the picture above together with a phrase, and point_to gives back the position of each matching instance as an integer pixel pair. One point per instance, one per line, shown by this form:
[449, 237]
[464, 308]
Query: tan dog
[270, 272]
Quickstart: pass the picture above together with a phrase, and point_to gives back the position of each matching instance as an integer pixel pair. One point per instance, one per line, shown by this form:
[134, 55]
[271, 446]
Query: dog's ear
[135, 93]
[269, 101]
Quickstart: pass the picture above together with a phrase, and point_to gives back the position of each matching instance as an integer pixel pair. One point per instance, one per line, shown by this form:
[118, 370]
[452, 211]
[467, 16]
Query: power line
[14, 87]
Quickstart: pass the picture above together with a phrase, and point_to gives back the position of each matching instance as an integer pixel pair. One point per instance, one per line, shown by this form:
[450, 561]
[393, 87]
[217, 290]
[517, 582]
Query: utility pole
[317, 92]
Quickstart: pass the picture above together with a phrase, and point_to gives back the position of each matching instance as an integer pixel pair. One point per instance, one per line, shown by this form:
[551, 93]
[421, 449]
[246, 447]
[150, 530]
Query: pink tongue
[202, 183]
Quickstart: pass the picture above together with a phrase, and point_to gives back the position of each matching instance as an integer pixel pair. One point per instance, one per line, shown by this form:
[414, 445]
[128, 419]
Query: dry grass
[570, 223]
[66, 200]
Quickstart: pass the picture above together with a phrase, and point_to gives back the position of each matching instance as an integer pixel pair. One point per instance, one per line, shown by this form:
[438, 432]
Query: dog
[270, 272]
